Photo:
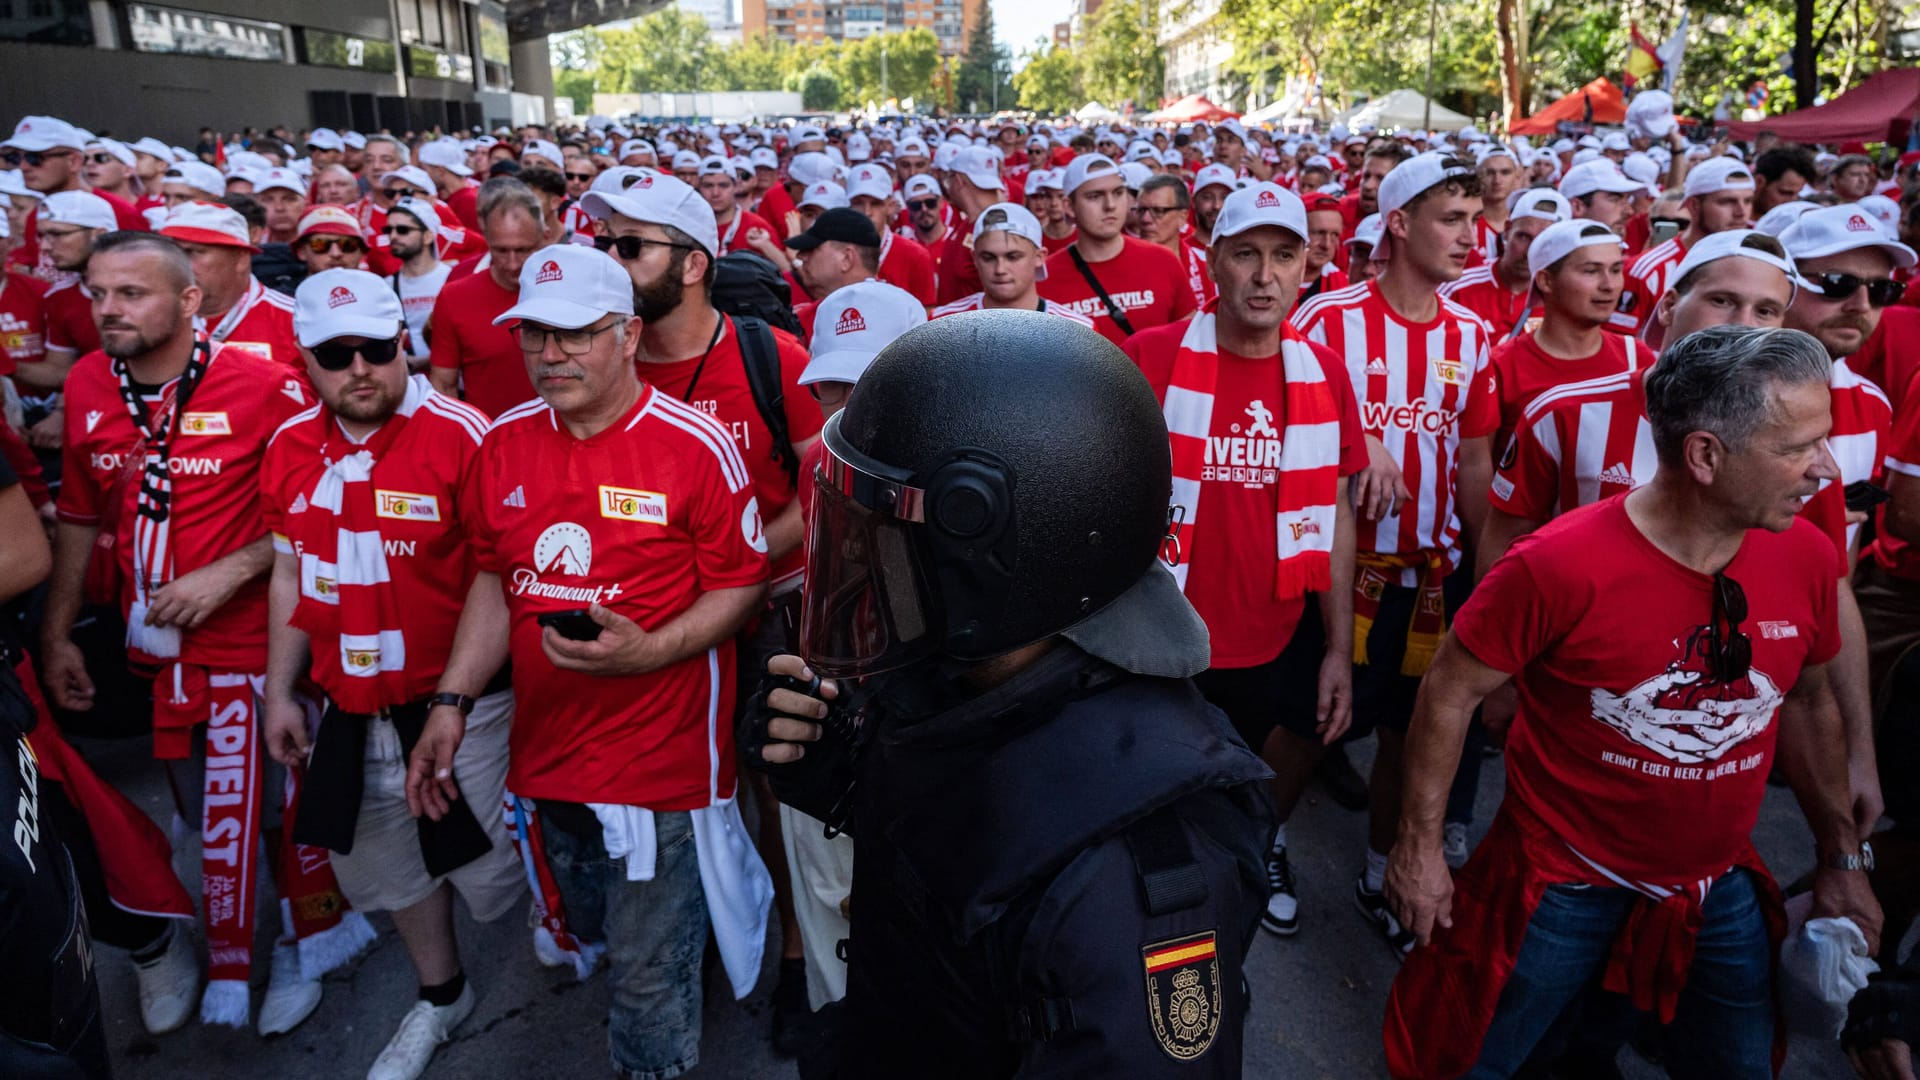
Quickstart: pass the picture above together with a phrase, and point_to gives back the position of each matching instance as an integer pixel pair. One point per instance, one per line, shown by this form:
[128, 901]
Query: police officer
[1058, 860]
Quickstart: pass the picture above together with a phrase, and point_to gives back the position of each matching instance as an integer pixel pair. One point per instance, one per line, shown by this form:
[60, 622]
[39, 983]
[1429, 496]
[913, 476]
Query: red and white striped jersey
[1862, 434]
[1486, 242]
[1421, 387]
[1500, 308]
[978, 300]
[1647, 279]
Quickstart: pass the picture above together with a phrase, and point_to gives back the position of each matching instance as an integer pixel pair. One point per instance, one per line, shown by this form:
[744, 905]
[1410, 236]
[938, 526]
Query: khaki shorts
[386, 871]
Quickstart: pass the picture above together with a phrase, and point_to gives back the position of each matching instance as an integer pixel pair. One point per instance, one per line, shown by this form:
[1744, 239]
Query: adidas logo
[518, 499]
[1376, 366]
[299, 504]
[1617, 474]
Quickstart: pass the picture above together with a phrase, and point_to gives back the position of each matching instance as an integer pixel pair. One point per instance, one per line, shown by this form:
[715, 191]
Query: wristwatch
[448, 697]
[1862, 861]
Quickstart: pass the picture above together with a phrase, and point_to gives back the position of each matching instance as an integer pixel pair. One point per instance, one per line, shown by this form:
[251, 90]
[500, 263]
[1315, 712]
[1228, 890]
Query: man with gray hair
[1664, 644]
[470, 356]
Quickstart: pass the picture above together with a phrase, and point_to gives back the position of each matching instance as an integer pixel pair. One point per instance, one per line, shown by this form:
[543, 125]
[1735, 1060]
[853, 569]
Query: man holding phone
[371, 566]
[610, 496]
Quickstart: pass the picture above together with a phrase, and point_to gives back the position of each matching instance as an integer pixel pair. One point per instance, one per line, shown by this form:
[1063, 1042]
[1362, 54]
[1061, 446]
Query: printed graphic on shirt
[406, 506]
[1249, 454]
[631, 504]
[1688, 717]
[564, 550]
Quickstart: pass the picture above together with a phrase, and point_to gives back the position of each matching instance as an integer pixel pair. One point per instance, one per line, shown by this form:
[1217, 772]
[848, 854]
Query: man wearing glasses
[239, 312]
[1159, 216]
[470, 356]
[1665, 645]
[328, 238]
[620, 549]
[382, 458]
[47, 151]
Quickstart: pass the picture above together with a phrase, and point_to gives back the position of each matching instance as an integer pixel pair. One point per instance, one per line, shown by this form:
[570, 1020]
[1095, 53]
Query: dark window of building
[328, 49]
[158, 29]
[52, 22]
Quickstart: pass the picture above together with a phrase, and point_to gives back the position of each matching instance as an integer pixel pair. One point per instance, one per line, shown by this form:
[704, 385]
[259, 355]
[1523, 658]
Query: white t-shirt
[417, 295]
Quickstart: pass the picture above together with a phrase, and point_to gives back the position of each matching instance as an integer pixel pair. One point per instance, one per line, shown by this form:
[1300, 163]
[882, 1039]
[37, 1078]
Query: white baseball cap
[345, 303]
[355, 141]
[446, 155]
[82, 208]
[1617, 142]
[981, 166]
[763, 157]
[1043, 180]
[859, 147]
[1775, 221]
[618, 177]
[569, 286]
[657, 199]
[920, 185]
[545, 150]
[197, 175]
[325, 139]
[45, 133]
[1263, 203]
[414, 176]
[635, 146]
[712, 165]
[914, 146]
[420, 210]
[808, 133]
[685, 159]
[121, 151]
[153, 147]
[1598, 175]
[811, 168]
[1417, 174]
[1213, 174]
[1368, 232]
[1543, 203]
[1728, 244]
[1563, 238]
[1087, 167]
[1831, 230]
[826, 195]
[1716, 175]
[1650, 114]
[12, 183]
[207, 223]
[1645, 170]
[284, 179]
[871, 181]
[1012, 218]
[853, 324]
[1884, 210]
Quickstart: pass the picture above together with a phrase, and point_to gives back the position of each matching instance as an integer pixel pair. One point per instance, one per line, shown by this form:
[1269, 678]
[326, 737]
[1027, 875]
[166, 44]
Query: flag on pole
[1673, 52]
[1643, 59]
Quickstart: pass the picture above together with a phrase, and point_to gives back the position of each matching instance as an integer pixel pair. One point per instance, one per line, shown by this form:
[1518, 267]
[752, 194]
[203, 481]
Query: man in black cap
[1058, 843]
[840, 248]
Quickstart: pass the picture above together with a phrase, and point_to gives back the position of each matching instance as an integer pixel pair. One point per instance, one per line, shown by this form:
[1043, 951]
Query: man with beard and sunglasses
[239, 312]
[1668, 645]
[664, 233]
[47, 151]
[411, 227]
[379, 464]
[470, 356]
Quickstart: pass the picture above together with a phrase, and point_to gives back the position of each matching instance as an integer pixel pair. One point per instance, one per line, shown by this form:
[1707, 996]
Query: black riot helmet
[996, 478]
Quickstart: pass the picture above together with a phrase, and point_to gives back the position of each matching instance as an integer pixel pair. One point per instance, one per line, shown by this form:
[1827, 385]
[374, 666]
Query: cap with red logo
[658, 199]
[82, 208]
[568, 286]
[207, 223]
[345, 303]
[1831, 230]
[327, 221]
[853, 324]
[282, 179]
[1214, 174]
[825, 195]
[45, 133]
[871, 181]
[1264, 203]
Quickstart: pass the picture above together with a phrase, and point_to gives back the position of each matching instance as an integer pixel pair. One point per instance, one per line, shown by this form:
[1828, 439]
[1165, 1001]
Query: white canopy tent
[1095, 113]
[1405, 109]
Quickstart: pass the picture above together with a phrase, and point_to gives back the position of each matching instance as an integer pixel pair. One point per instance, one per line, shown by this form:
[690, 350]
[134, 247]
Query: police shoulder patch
[1183, 993]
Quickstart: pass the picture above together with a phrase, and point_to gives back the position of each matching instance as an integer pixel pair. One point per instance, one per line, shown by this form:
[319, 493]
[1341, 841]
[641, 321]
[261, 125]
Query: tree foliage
[1121, 59]
[982, 73]
[1050, 82]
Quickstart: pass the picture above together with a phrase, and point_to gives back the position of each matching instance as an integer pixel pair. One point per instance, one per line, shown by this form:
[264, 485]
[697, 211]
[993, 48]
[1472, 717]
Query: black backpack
[752, 291]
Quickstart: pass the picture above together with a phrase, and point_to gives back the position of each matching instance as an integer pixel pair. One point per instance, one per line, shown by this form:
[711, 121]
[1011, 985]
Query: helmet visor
[867, 604]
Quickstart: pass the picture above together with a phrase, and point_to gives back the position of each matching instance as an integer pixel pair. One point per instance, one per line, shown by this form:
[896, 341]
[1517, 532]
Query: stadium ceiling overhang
[528, 20]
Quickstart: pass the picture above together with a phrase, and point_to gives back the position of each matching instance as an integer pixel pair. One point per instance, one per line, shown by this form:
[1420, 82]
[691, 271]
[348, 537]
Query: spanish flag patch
[1183, 993]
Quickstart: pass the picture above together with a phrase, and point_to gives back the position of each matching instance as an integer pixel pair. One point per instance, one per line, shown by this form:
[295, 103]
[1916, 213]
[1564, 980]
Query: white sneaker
[1454, 845]
[169, 984]
[422, 1030]
[291, 996]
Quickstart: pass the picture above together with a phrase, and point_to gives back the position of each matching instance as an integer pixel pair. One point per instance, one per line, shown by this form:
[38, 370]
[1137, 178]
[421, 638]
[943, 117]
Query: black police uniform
[1060, 877]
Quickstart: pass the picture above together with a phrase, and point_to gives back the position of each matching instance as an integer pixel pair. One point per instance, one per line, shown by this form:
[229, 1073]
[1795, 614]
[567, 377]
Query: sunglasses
[35, 158]
[401, 230]
[533, 339]
[399, 193]
[1157, 211]
[101, 158]
[320, 245]
[335, 357]
[1834, 286]
[922, 204]
[583, 177]
[1732, 650]
[629, 248]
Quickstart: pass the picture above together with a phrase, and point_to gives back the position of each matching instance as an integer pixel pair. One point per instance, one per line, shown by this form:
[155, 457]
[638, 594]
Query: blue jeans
[1723, 1028]
[656, 934]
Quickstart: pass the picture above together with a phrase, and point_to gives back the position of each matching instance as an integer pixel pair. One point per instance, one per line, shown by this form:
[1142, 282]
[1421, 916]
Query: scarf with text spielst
[1309, 473]
[346, 592]
[1373, 572]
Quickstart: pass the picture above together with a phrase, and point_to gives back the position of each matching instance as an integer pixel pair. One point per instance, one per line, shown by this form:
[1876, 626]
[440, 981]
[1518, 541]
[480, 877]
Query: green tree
[819, 89]
[912, 58]
[982, 74]
[666, 52]
[576, 86]
[757, 63]
[1050, 82]
[1121, 61]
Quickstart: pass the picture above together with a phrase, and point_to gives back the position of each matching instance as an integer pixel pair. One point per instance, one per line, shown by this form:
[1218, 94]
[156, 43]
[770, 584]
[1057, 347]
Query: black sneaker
[792, 1019]
[1374, 906]
[1282, 915]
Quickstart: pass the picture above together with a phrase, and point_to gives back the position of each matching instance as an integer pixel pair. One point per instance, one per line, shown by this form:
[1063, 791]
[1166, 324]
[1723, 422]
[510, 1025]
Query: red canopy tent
[1194, 107]
[1881, 109]
[1609, 107]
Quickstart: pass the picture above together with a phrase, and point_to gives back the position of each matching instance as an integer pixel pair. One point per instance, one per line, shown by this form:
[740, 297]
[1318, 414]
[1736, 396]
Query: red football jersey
[1149, 284]
[1523, 371]
[1232, 567]
[1648, 278]
[1623, 731]
[954, 274]
[70, 318]
[416, 483]
[493, 371]
[720, 390]
[216, 466]
[905, 264]
[23, 321]
[733, 237]
[1422, 387]
[264, 328]
[1500, 308]
[642, 518]
[1199, 278]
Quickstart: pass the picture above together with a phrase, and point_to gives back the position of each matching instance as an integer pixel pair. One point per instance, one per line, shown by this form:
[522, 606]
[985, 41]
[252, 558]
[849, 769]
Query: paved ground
[1318, 997]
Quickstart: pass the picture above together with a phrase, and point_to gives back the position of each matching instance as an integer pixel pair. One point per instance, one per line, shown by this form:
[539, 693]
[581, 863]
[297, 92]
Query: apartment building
[806, 21]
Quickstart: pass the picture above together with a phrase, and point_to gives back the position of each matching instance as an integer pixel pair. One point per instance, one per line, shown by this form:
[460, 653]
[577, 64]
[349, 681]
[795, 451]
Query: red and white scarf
[346, 592]
[1309, 478]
